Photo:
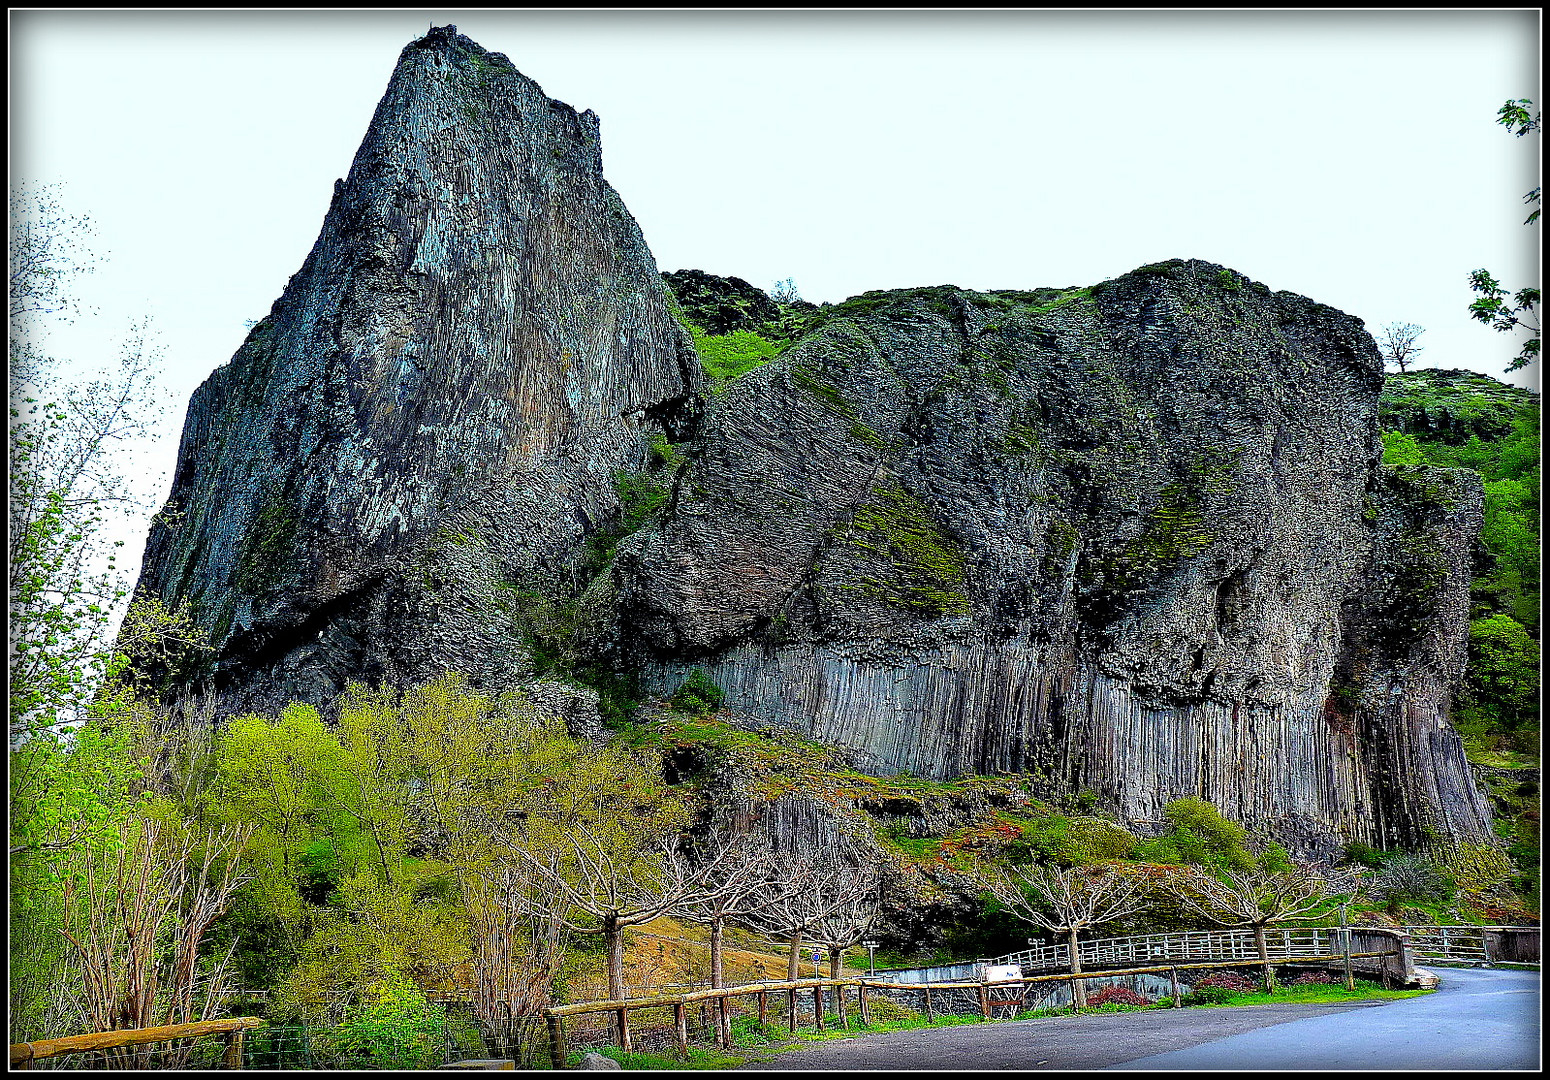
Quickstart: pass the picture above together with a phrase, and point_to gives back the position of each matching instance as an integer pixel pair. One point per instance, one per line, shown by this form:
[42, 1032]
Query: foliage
[1117, 995]
[1493, 308]
[729, 356]
[1504, 670]
[1404, 879]
[77, 724]
[697, 696]
[1461, 420]
[399, 1030]
[1199, 836]
[377, 836]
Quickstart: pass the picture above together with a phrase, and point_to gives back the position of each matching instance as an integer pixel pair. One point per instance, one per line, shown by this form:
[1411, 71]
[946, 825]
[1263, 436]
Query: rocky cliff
[477, 343]
[1131, 539]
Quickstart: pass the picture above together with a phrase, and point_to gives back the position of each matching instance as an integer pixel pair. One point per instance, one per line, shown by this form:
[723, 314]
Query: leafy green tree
[1199, 836]
[1495, 307]
[1504, 674]
[77, 727]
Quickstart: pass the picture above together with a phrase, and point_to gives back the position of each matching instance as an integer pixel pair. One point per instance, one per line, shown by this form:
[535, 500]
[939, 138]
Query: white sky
[1353, 158]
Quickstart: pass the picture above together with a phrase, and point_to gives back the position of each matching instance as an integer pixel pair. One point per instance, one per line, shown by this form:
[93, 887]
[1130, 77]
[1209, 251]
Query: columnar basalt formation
[1130, 538]
[1133, 539]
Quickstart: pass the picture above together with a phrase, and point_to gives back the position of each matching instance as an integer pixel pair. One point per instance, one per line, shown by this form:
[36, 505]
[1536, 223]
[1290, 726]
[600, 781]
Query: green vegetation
[728, 356]
[1460, 420]
[698, 696]
[928, 567]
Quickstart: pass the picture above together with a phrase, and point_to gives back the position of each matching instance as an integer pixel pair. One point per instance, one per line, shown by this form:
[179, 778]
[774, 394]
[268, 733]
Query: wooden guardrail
[24, 1054]
[555, 1016]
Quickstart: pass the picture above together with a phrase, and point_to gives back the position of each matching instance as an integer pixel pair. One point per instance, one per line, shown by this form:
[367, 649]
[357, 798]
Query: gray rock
[594, 1060]
[1132, 540]
[428, 422]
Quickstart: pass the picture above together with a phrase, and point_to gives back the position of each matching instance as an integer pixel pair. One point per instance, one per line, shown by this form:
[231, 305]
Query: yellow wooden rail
[24, 1054]
[556, 1015]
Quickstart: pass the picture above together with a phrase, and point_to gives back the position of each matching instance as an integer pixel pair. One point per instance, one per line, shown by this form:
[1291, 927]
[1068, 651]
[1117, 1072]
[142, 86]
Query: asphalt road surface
[1477, 1020]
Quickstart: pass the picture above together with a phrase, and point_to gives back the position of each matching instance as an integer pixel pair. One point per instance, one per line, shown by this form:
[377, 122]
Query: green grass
[1299, 995]
[755, 1042]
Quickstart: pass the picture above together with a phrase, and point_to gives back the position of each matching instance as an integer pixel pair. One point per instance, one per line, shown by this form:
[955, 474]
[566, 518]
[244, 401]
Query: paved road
[1478, 1020]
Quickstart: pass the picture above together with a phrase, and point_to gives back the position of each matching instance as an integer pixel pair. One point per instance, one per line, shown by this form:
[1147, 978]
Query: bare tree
[589, 885]
[1067, 901]
[1396, 342]
[745, 876]
[516, 953]
[1261, 898]
[745, 879]
[844, 927]
[815, 890]
[137, 918]
[785, 292]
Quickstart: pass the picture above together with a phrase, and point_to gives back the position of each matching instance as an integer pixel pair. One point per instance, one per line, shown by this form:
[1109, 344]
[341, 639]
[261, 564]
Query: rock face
[1133, 540]
[430, 417]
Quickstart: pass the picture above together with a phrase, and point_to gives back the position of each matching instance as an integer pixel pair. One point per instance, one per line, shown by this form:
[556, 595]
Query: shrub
[1221, 986]
[400, 1030]
[1117, 995]
[1312, 978]
[698, 696]
[1409, 878]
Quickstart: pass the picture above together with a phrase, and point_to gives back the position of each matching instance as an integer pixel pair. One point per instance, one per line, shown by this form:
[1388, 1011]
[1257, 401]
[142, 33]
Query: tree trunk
[1264, 958]
[723, 1029]
[613, 940]
[792, 971]
[716, 927]
[1078, 986]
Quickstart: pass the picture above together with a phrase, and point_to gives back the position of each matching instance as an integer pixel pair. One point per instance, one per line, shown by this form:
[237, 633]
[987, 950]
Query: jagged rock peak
[478, 341]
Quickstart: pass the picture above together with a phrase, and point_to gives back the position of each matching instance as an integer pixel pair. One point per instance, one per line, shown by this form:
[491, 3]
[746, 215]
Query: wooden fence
[1187, 945]
[24, 1054]
[839, 988]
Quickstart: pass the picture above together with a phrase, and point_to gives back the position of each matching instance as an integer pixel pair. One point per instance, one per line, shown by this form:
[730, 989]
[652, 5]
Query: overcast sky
[1353, 158]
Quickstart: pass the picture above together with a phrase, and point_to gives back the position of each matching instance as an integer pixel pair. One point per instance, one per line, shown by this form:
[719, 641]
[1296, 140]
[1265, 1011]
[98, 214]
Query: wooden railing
[679, 1003]
[24, 1054]
[1188, 945]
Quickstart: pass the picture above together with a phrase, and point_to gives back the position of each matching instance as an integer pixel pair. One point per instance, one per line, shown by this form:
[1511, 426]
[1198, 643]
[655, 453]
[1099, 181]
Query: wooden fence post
[818, 1007]
[681, 1026]
[866, 1013]
[557, 1053]
[984, 1001]
[1350, 979]
[929, 1014]
[723, 1022]
[763, 1007]
[1178, 993]
[791, 1008]
[839, 996]
[234, 1049]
